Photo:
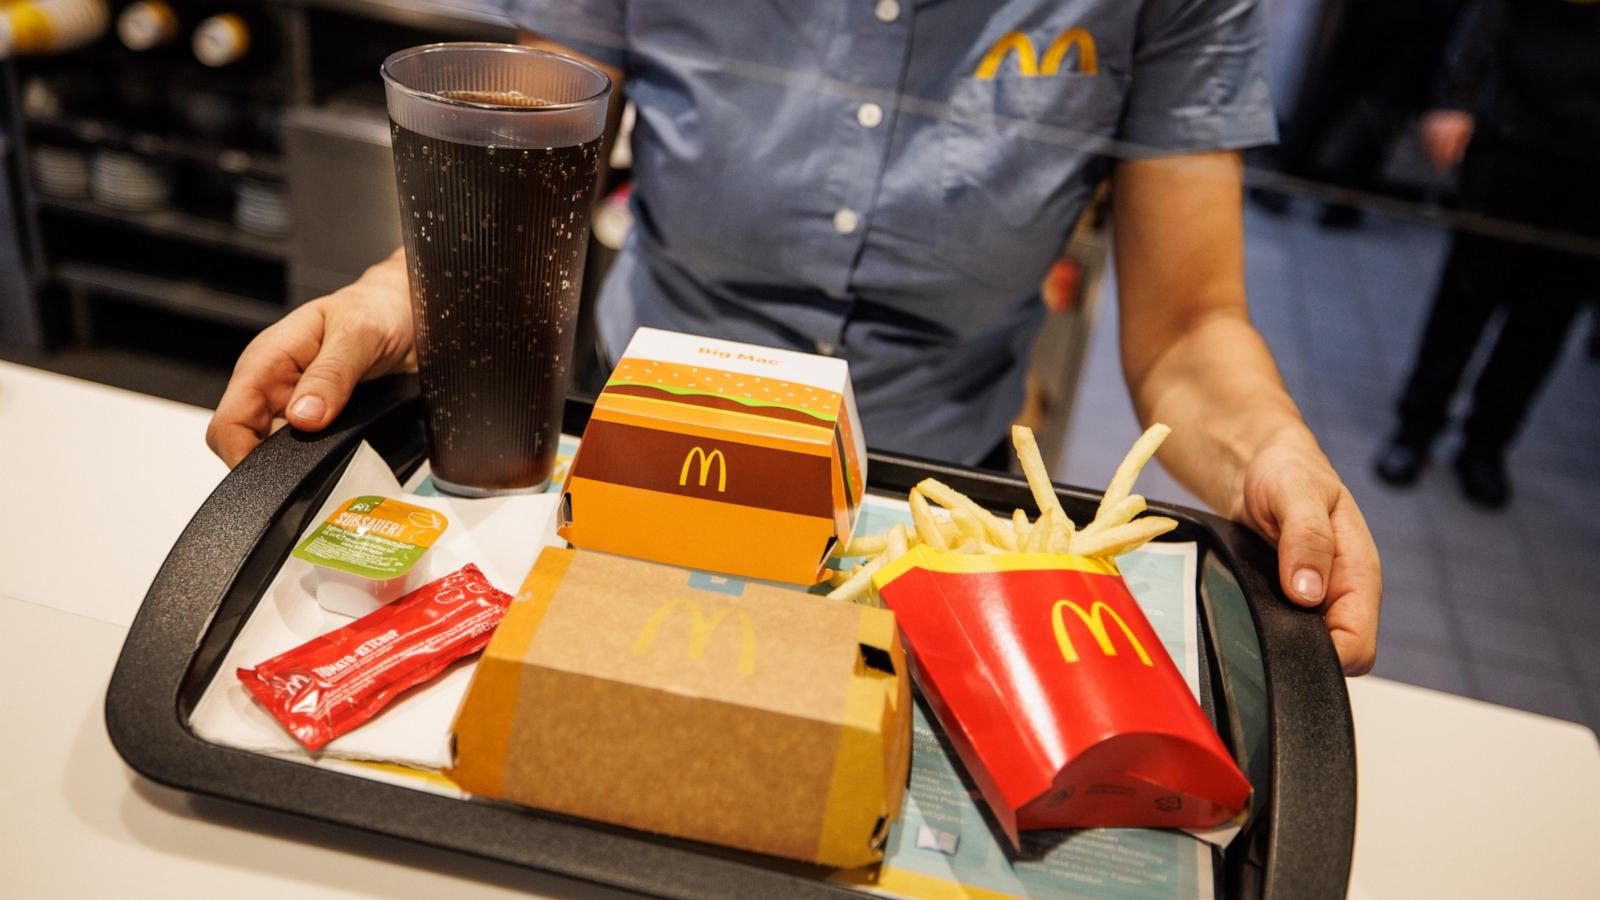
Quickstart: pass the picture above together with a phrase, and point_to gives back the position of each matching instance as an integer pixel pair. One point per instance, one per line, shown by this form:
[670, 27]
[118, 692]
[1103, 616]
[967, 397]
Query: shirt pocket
[1020, 156]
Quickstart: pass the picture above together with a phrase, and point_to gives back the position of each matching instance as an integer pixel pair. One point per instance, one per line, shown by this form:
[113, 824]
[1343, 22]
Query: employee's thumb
[326, 384]
[1305, 548]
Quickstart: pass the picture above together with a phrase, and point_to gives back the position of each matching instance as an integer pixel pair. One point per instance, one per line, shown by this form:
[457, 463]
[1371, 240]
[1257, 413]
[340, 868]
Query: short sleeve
[1199, 78]
[595, 28]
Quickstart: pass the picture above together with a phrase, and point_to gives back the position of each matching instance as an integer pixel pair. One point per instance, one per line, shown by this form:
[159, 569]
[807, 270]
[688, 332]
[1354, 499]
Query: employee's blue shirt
[889, 180]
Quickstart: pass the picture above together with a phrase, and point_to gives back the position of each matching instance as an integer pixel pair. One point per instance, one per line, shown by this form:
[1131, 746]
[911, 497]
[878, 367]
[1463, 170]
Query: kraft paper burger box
[1057, 694]
[721, 456]
[690, 705]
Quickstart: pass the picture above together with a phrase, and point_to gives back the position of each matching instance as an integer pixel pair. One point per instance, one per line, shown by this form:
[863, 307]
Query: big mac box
[721, 456]
[691, 705]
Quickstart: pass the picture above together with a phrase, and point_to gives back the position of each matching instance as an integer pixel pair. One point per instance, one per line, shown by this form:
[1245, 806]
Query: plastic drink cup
[496, 149]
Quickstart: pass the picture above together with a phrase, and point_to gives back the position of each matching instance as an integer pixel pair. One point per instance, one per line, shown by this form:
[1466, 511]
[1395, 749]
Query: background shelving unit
[303, 117]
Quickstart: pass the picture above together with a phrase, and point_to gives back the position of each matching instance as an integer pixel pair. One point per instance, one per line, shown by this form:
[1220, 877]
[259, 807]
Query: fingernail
[1308, 585]
[309, 408]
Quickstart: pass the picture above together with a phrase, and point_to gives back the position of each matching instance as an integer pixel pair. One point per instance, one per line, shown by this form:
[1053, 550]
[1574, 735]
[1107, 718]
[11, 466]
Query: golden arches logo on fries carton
[721, 456]
[1050, 683]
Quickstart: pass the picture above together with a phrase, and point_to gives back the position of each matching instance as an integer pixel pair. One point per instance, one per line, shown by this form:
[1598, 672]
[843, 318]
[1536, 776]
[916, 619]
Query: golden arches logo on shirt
[1029, 63]
[706, 460]
[1094, 621]
[701, 629]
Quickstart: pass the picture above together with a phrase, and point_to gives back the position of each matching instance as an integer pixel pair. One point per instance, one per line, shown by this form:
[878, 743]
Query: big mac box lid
[656, 698]
[721, 456]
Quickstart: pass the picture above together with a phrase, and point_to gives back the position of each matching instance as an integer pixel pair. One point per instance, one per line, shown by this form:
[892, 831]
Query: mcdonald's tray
[1269, 679]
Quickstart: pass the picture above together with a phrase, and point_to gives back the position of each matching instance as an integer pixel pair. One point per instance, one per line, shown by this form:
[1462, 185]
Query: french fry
[1121, 514]
[1060, 540]
[922, 519]
[865, 545]
[966, 527]
[1119, 539]
[971, 526]
[1039, 536]
[1007, 535]
[1044, 493]
[1128, 471]
[898, 545]
[859, 584]
[997, 532]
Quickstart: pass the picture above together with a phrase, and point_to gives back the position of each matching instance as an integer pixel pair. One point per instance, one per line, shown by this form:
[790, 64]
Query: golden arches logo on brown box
[1094, 621]
[1028, 63]
[706, 460]
[701, 629]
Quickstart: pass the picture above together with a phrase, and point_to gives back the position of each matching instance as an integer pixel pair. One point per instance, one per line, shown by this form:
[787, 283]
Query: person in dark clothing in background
[1519, 108]
[1372, 73]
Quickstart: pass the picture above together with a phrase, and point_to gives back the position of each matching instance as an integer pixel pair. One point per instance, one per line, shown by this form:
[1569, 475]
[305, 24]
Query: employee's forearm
[1189, 353]
[1219, 389]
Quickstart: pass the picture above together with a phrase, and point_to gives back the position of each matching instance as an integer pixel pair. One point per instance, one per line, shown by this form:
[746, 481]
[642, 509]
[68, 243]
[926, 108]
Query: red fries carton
[1057, 694]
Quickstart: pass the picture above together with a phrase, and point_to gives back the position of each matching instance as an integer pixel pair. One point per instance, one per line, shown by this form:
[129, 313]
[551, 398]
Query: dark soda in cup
[496, 149]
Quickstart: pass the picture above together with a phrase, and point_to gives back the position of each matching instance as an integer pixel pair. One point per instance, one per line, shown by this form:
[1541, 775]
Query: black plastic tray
[1296, 846]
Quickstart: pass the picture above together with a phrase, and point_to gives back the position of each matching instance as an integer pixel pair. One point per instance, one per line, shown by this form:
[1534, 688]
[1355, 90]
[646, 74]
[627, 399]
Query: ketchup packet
[333, 683]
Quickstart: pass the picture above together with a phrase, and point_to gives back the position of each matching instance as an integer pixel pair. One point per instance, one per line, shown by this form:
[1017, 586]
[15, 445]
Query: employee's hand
[1445, 135]
[1326, 555]
[304, 367]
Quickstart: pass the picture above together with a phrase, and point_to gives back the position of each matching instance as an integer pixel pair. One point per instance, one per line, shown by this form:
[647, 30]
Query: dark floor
[1502, 607]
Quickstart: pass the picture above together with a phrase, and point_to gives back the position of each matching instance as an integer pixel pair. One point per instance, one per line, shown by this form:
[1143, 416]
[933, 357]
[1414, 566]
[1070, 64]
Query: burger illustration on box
[721, 456]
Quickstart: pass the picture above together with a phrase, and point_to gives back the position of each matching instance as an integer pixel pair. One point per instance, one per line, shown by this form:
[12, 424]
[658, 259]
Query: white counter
[1457, 798]
[1460, 798]
[95, 486]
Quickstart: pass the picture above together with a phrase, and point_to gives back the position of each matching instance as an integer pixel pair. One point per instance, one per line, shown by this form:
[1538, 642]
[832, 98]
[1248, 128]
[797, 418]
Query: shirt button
[869, 115]
[887, 10]
[845, 221]
[825, 348]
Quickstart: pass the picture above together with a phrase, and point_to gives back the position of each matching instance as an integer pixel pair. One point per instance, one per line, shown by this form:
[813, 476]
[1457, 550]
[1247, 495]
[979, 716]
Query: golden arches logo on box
[1094, 621]
[701, 629]
[1028, 63]
[706, 460]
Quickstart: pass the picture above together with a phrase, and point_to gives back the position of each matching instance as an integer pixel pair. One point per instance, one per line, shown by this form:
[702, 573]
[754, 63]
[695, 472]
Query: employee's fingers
[351, 346]
[1298, 508]
[1355, 589]
[262, 382]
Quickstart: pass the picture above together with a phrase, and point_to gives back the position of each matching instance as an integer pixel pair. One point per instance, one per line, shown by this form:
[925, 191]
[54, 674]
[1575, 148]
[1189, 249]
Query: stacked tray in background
[261, 208]
[128, 182]
[60, 171]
